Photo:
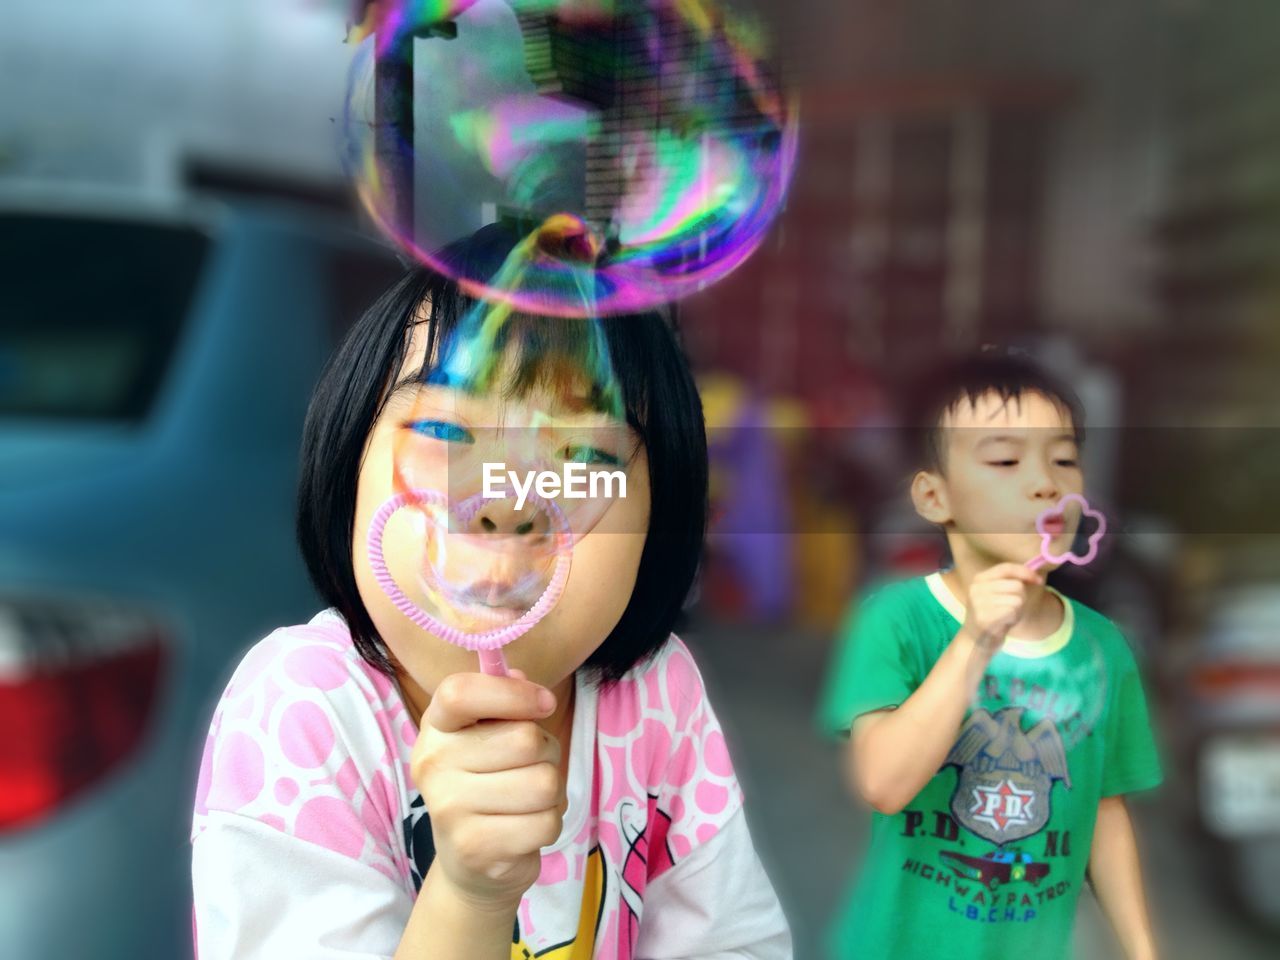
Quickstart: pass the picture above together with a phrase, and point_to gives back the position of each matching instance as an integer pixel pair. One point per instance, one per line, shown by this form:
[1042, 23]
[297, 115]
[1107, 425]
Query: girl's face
[604, 562]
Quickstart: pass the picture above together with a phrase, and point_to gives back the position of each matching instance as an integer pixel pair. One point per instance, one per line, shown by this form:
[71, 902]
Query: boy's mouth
[1054, 526]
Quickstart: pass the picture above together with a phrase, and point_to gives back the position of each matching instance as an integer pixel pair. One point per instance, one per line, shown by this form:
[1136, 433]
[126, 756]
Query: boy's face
[1002, 465]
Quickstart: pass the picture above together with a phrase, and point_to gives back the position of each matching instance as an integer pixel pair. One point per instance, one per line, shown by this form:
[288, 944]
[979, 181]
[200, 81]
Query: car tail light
[78, 685]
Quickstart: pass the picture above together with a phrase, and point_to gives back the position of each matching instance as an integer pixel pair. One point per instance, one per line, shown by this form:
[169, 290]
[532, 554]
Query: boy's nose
[1047, 494]
[1042, 485]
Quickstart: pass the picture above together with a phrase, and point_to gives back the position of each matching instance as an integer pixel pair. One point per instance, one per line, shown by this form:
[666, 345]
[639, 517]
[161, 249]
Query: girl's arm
[493, 790]
[896, 752]
[1117, 879]
[444, 925]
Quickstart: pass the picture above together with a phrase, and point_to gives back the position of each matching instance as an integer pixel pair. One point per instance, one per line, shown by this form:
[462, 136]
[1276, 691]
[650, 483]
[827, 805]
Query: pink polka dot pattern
[348, 779]
[555, 868]
[274, 822]
[323, 673]
[312, 742]
[711, 797]
[717, 755]
[305, 734]
[286, 790]
[621, 720]
[657, 737]
[238, 772]
[330, 822]
[650, 768]
[683, 764]
[278, 754]
[376, 820]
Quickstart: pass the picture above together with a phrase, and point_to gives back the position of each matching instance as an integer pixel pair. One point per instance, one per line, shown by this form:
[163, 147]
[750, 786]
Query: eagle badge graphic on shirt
[1006, 774]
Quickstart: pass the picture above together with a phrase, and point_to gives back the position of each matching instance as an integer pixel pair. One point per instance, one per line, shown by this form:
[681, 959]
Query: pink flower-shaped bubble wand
[1059, 509]
[488, 644]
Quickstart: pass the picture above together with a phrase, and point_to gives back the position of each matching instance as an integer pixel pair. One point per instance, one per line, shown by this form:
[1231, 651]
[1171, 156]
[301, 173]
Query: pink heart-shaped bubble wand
[1046, 555]
[488, 644]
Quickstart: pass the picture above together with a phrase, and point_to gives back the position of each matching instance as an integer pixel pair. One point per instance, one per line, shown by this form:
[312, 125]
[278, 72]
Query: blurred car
[155, 365]
[1234, 732]
[996, 867]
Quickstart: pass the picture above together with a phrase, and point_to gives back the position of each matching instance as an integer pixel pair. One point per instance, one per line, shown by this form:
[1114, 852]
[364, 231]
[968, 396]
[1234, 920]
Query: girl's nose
[502, 517]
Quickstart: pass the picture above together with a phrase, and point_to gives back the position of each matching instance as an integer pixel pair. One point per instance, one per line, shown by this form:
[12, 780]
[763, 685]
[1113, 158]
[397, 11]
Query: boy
[995, 726]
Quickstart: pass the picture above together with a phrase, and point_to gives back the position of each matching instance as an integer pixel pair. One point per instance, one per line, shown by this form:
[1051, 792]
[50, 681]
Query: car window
[91, 312]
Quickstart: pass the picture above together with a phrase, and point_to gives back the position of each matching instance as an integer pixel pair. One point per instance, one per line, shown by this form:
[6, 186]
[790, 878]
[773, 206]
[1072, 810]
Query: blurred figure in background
[1032, 698]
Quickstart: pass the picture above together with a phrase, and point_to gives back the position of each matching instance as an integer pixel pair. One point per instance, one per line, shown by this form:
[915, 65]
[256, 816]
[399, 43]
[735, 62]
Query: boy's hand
[996, 601]
[490, 780]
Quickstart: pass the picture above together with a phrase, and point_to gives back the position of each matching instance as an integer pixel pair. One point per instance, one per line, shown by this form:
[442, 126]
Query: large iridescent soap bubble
[656, 124]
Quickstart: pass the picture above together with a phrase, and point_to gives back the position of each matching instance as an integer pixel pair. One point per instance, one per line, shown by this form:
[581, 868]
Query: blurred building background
[1097, 183]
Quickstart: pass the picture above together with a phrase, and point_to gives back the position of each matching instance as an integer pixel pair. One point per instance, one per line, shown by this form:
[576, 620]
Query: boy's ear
[929, 497]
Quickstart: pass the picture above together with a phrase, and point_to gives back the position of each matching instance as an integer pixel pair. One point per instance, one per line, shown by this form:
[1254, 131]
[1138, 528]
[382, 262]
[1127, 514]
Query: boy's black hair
[662, 406]
[1008, 373]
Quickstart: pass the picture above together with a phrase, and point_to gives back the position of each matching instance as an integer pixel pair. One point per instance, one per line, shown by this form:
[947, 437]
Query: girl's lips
[482, 604]
[485, 613]
[500, 597]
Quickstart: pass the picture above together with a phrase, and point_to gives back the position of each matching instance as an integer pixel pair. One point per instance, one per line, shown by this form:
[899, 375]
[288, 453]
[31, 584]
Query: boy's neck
[1044, 611]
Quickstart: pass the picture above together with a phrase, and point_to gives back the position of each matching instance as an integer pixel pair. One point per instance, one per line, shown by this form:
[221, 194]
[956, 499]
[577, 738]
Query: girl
[365, 792]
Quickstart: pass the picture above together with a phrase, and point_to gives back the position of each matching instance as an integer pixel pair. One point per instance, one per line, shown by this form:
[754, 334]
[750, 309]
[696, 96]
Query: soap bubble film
[659, 126]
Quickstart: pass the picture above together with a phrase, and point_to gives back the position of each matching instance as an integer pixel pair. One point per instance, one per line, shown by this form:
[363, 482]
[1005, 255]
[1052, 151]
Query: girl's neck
[560, 723]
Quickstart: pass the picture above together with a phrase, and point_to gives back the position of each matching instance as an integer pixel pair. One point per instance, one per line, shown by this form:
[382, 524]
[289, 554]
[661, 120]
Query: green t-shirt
[988, 859]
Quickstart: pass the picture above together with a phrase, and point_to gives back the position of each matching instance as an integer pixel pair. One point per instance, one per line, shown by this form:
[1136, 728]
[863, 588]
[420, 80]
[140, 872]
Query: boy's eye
[1002, 463]
[575, 453]
[442, 430]
[1067, 463]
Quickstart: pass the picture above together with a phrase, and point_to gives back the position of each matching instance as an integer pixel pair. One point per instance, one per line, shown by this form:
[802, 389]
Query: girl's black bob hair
[661, 403]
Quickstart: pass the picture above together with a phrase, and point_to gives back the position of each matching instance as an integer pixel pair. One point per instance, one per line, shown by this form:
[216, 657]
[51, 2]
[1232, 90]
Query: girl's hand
[996, 602]
[490, 780]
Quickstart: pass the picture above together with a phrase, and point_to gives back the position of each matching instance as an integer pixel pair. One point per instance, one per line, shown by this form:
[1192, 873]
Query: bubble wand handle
[493, 663]
[487, 644]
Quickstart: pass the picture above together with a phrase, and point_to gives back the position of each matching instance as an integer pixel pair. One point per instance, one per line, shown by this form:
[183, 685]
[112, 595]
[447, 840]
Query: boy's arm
[1117, 879]
[896, 752]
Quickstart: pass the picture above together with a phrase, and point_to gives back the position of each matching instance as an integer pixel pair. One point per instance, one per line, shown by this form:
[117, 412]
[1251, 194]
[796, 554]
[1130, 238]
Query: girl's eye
[1067, 463]
[1002, 463]
[442, 430]
[582, 454]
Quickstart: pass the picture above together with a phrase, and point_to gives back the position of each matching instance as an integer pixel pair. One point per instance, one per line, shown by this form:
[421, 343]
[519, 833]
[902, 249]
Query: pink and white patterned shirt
[310, 839]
